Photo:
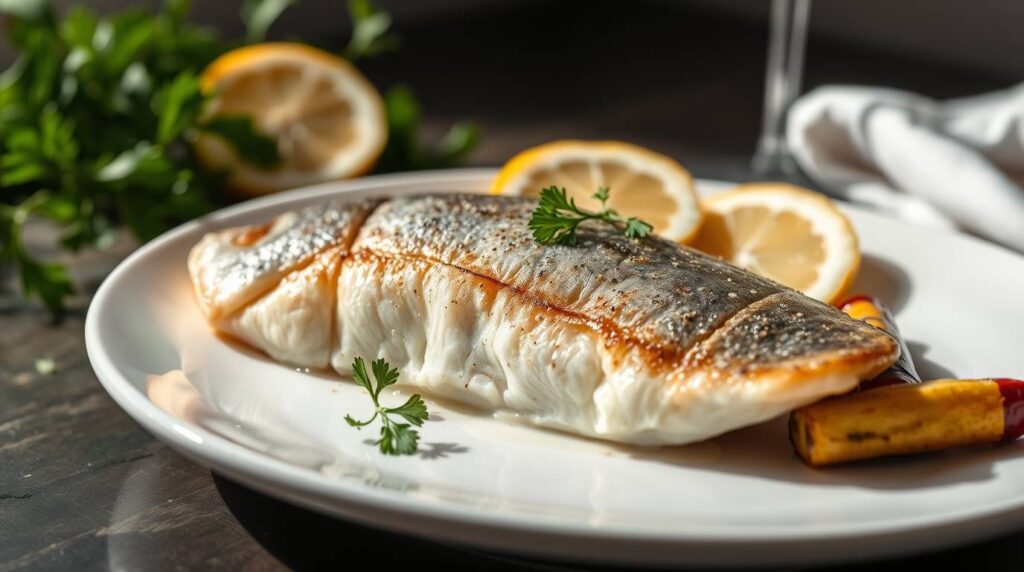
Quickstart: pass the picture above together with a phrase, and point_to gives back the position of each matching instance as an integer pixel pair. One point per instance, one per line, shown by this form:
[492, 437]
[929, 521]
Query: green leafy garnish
[395, 438]
[48, 282]
[405, 151]
[258, 15]
[96, 119]
[557, 217]
[98, 115]
[240, 132]
[371, 31]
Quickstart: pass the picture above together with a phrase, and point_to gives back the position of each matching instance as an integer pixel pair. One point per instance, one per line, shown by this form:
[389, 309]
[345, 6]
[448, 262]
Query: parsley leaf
[359, 375]
[384, 375]
[557, 217]
[398, 439]
[371, 33]
[176, 106]
[258, 15]
[548, 223]
[395, 438]
[414, 410]
[636, 228]
[49, 282]
[241, 133]
[406, 152]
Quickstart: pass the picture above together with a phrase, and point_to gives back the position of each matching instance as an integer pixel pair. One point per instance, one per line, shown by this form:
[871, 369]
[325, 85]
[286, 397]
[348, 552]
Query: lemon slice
[328, 120]
[644, 184]
[792, 235]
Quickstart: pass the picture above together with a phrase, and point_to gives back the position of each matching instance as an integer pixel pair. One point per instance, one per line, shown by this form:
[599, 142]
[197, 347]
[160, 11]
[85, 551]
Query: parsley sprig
[557, 217]
[395, 438]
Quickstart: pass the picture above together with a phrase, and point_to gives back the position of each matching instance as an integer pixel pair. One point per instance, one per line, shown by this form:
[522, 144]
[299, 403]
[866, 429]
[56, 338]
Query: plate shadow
[763, 452]
[926, 368]
[884, 279]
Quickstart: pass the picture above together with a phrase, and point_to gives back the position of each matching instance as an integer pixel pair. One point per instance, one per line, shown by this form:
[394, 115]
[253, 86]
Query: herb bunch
[395, 438]
[557, 217]
[405, 151]
[98, 114]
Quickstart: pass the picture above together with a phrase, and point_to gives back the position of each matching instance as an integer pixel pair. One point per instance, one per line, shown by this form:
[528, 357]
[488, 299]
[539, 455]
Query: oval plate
[739, 499]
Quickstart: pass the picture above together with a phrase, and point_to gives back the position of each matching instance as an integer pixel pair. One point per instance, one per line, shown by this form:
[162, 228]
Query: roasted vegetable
[896, 414]
[905, 419]
[872, 311]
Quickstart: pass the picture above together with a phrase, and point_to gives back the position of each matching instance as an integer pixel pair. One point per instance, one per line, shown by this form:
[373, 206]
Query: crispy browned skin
[234, 267]
[784, 329]
[652, 294]
[673, 346]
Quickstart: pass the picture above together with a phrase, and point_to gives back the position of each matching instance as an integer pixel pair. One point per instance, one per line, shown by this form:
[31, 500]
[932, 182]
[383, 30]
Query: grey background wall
[310, 19]
[981, 34]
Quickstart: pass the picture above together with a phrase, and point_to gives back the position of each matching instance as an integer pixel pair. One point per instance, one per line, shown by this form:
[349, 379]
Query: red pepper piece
[1012, 391]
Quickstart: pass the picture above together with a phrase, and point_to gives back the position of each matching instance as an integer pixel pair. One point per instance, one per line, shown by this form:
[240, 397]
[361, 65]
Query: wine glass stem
[782, 83]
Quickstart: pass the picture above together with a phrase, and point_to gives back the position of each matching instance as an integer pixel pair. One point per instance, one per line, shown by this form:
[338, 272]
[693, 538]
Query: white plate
[739, 499]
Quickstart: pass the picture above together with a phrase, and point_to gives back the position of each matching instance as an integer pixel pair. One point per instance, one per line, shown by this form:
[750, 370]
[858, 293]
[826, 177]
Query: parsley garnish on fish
[395, 438]
[556, 217]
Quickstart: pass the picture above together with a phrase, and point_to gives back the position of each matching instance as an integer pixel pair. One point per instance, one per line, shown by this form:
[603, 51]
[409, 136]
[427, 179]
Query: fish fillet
[641, 342]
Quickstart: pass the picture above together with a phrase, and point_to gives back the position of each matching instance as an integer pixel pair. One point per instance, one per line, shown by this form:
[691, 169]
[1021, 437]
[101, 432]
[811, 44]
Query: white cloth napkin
[958, 163]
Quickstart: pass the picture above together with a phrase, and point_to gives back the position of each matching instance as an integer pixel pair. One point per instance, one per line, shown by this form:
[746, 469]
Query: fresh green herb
[96, 119]
[371, 37]
[241, 133]
[557, 217]
[48, 282]
[395, 438]
[405, 151]
[371, 31]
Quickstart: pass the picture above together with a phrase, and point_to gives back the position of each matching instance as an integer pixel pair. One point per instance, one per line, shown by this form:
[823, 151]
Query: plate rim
[390, 509]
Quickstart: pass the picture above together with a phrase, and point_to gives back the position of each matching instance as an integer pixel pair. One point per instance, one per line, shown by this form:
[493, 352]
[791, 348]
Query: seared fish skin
[230, 268]
[274, 285]
[632, 341]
